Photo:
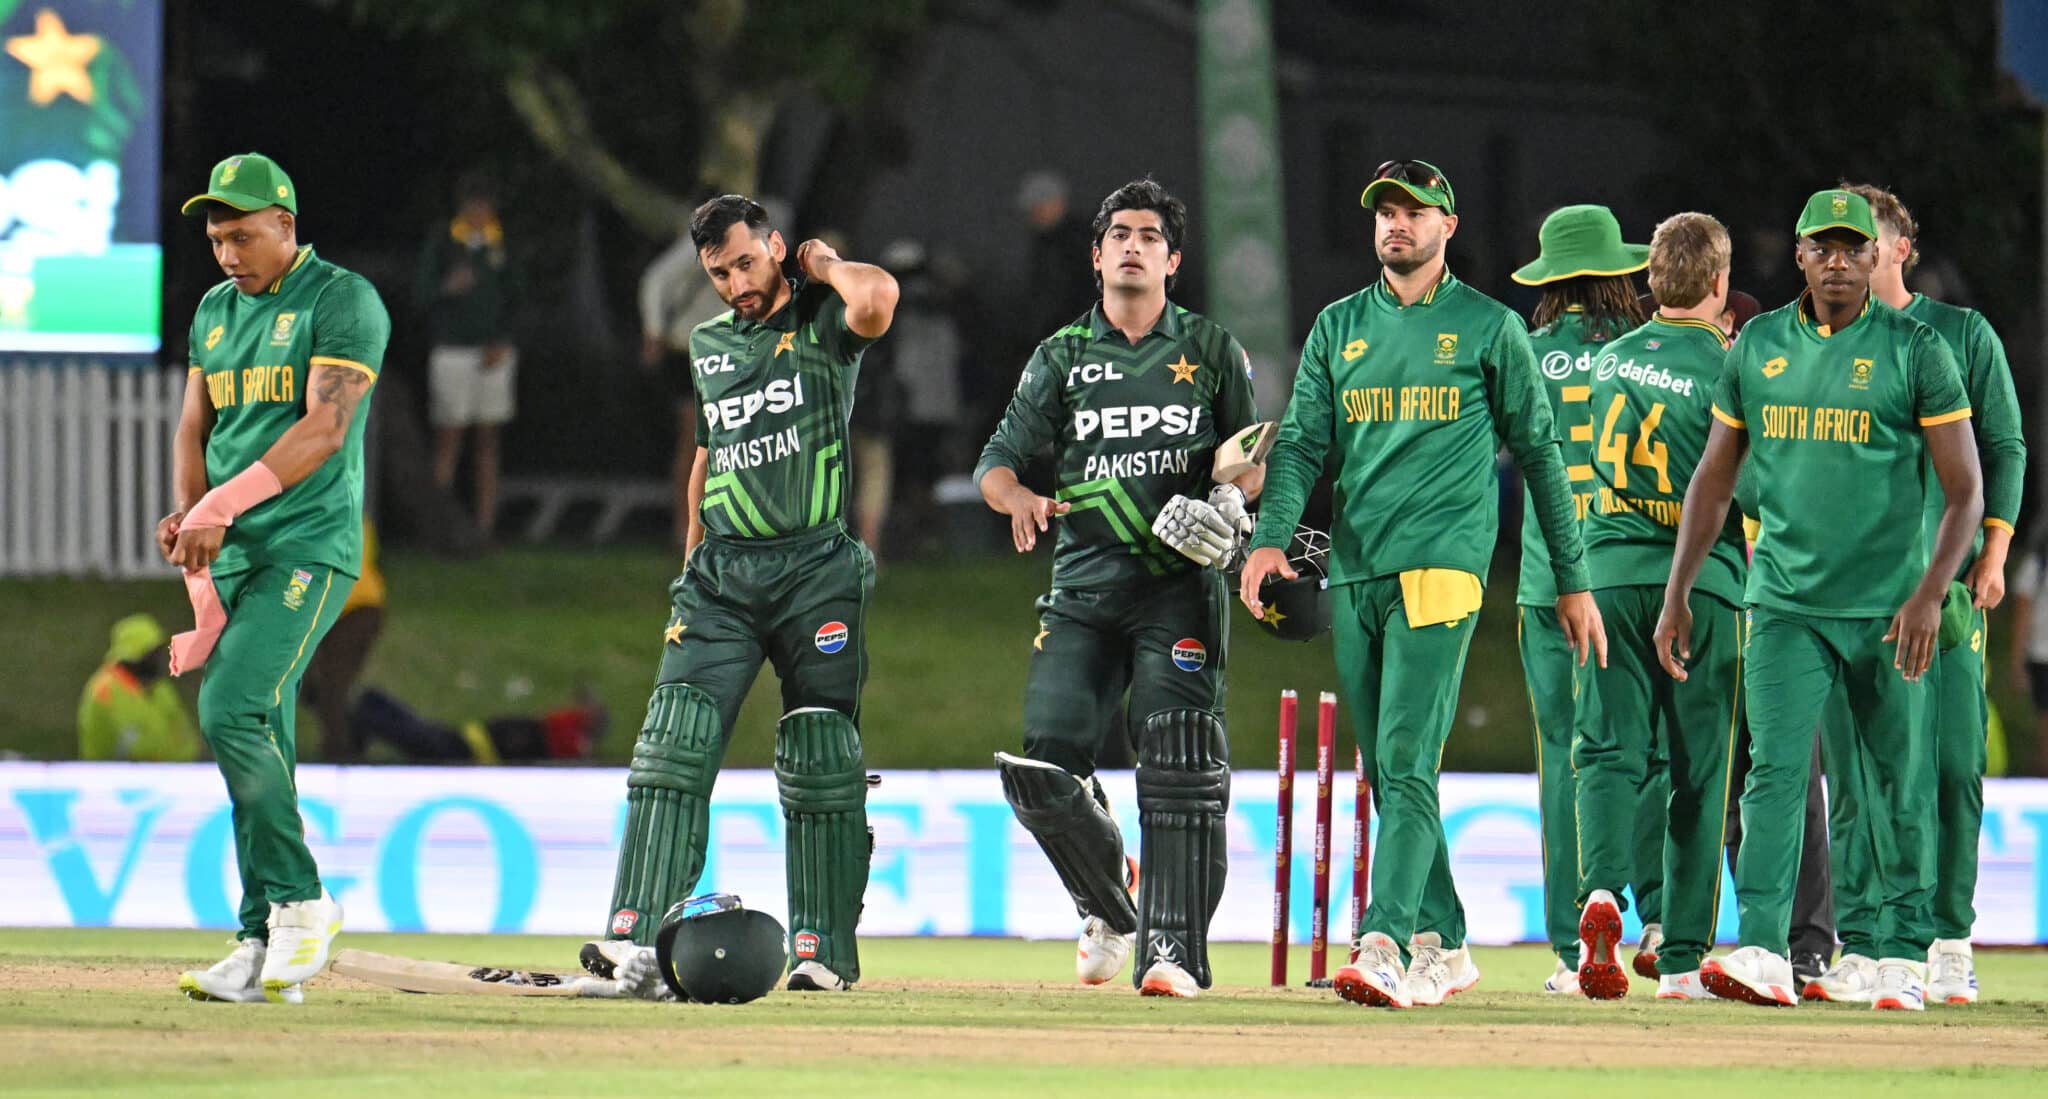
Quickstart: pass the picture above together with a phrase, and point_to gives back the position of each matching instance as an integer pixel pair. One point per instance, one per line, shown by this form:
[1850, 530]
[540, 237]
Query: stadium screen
[80, 262]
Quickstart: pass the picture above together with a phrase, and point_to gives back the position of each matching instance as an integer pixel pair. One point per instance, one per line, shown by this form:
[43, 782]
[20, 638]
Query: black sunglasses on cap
[1421, 175]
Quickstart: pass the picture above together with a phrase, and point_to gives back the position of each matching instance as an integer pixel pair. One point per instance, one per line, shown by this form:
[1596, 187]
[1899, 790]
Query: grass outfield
[98, 1011]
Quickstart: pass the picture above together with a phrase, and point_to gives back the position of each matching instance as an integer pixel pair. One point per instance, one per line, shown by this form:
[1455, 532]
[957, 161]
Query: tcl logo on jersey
[1189, 654]
[780, 395]
[831, 637]
[806, 944]
[1088, 373]
[623, 921]
[1131, 421]
[714, 364]
[1559, 365]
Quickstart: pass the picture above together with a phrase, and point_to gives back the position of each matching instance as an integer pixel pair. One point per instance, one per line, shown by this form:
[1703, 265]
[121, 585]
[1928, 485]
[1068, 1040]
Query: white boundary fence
[85, 468]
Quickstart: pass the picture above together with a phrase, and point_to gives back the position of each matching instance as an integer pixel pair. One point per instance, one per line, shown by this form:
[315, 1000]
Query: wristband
[219, 507]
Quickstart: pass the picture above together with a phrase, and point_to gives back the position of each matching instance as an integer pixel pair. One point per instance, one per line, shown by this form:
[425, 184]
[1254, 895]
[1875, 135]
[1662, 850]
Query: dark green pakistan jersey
[773, 399]
[1130, 426]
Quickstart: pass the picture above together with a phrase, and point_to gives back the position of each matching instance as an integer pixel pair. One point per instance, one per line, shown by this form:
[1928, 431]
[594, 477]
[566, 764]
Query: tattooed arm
[332, 393]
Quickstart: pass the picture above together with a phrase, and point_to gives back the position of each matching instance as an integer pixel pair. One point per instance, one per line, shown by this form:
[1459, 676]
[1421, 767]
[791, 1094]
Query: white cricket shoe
[1436, 974]
[1100, 953]
[1751, 975]
[814, 977]
[1901, 985]
[235, 979]
[1682, 986]
[1564, 980]
[1951, 972]
[1647, 949]
[1853, 980]
[1167, 979]
[1375, 976]
[1600, 974]
[301, 933]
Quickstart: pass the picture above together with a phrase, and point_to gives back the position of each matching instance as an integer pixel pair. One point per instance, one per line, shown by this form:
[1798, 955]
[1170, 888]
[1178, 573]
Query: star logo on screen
[56, 60]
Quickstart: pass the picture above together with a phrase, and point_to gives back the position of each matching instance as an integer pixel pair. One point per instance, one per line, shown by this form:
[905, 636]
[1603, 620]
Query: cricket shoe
[1807, 967]
[1600, 974]
[1951, 972]
[1647, 949]
[1101, 952]
[1375, 976]
[1853, 980]
[235, 979]
[1168, 979]
[1436, 974]
[301, 933]
[1901, 985]
[814, 977]
[1563, 981]
[1751, 975]
[1682, 986]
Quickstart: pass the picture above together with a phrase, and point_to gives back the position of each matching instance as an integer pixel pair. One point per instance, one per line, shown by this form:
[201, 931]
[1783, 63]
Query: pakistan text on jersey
[1407, 402]
[1142, 463]
[1821, 424]
[1663, 512]
[259, 383]
[756, 452]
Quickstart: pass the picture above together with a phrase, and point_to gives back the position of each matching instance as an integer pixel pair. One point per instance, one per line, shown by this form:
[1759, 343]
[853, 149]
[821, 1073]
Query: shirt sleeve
[832, 329]
[350, 326]
[1995, 409]
[1728, 392]
[1306, 432]
[1522, 417]
[1032, 421]
[1234, 408]
[1938, 393]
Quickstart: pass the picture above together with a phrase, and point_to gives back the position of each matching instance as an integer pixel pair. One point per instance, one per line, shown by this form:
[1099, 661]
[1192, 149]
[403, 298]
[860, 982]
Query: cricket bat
[1236, 455]
[415, 975]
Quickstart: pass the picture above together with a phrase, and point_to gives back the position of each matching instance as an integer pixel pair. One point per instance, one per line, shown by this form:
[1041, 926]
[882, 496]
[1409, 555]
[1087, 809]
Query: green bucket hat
[1837, 209]
[133, 638]
[1581, 240]
[246, 181]
[1423, 181]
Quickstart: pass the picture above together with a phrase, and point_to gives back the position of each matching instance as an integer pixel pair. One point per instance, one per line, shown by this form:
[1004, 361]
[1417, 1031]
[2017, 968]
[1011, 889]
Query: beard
[1419, 256]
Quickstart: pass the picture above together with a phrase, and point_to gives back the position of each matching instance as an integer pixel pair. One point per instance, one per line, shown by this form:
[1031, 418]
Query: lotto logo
[807, 944]
[623, 921]
[831, 637]
[1189, 654]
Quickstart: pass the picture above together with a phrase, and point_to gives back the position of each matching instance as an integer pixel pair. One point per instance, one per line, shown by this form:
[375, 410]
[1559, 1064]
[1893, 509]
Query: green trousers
[1401, 687]
[1881, 777]
[248, 703]
[1627, 711]
[1550, 670]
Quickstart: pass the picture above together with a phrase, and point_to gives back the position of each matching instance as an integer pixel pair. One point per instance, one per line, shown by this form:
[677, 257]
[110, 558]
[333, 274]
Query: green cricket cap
[1581, 240]
[246, 181]
[133, 638]
[1837, 209]
[1424, 181]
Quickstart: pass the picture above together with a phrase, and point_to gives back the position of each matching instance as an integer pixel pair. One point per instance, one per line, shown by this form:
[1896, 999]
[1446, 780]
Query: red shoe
[1600, 974]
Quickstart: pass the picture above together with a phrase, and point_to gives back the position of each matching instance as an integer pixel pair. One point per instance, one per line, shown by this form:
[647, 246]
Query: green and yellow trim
[1999, 524]
[1859, 230]
[1806, 316]
[329, 360]
[312, 626]
[1583, 272]
[1962, 413]
[305, 253]
[1692, 322]
[1729, 420]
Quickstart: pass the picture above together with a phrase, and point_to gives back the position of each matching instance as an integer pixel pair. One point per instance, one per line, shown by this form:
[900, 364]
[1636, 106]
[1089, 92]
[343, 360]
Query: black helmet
[713, 950]
[1299, 609]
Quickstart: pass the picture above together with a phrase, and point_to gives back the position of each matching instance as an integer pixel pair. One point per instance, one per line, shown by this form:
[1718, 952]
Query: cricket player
[1652, 407]
[1412, 382]
[267, 467]
[1588, 299]
[1957, 677]
[1839, 400]
[770, 571]
[1133, 398]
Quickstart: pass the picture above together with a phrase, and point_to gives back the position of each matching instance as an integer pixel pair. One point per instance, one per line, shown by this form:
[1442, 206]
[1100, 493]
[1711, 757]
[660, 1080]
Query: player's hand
[1264, 562]
[1195, 530]
[1583, 630]
[167, 533]
[1230, 502]
[1674, 629]
[1986, 579]
[813, 256]
[196, 547]
[1915, 628]
[1030, 514]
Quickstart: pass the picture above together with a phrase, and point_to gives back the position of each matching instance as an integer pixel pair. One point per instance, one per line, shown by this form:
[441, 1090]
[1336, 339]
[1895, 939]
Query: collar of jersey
[1821, 331]
[1720, 337]
[305, 253]
[1429, 296]
[782, 320]
[1169, 322]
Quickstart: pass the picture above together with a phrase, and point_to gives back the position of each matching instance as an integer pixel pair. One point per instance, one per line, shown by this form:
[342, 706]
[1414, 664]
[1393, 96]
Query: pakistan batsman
[1839, 400]
[1652, 407]
[267, 465]
[1588, 299]
[771, 572]
[1413, 382]
[1134, 399]
[1960, 712]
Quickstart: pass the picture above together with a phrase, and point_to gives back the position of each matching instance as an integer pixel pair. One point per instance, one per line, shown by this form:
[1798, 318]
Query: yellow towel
[1435, 597]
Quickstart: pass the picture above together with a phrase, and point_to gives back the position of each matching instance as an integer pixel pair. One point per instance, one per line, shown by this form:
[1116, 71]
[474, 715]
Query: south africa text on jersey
[259, 383]
[1818, 424]
[750, 453]
[1406, 402]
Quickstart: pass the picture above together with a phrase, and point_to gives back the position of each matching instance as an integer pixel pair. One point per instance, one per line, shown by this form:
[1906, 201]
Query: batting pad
[823, 784]
[1071, 822]
[1183, 792]
[668, 802]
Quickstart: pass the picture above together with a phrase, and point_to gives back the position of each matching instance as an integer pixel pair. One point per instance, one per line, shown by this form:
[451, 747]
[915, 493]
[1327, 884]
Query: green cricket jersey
[1130, 427]
[773, 401]
[1834, 423]
[1652, 405]
[1565, 351]
[1994, 414]
[1415, 400]
[255, 352]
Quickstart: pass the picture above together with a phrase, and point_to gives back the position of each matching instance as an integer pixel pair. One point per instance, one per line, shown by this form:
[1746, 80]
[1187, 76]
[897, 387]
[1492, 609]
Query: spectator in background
[564, 734]
[467, 288]
[1060, 285]
[675, 296]
[336, 665]
[922, 358]
[130, 711]
[1741, 307]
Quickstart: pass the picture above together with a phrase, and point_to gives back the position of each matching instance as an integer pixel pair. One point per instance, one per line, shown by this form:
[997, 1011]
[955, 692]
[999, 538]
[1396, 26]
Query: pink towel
[217, 508]
[191, 648]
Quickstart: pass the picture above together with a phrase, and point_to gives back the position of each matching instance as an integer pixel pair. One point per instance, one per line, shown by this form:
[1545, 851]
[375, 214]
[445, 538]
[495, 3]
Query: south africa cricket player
[1588, 299]
[1133, 398]
[1839, 400]
[1652, 407]
[267, 465]
[771, 572]
[1413, 381]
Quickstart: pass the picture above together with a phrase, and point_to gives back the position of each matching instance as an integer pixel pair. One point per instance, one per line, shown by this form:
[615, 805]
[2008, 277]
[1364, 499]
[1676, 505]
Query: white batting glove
[1195, 530]
[1231, 506]
[639, 974]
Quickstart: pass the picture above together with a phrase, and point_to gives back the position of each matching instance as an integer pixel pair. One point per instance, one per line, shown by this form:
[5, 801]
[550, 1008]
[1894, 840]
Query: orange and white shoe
[1647, 949]
[1168, 979]
[1436, 974]
[1100, 953]
[1951, 972]
[1851, 980]
[1682, 986]
[1563, 981]
[1750, 975]
[1375, 977]
[1600, 974]
[1901, 985]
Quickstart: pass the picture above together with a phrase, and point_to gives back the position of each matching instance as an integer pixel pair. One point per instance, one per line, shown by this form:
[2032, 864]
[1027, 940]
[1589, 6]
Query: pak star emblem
[674, 634]
[1038, 642]
[56, 60]
[1184, 371]
[1272, 617]
[787, 342]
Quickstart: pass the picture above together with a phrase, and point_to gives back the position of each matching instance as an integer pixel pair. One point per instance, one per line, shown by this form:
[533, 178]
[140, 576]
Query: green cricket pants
[1401, 687]
[1632, 708]
[1881, 773]
[248, 706]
